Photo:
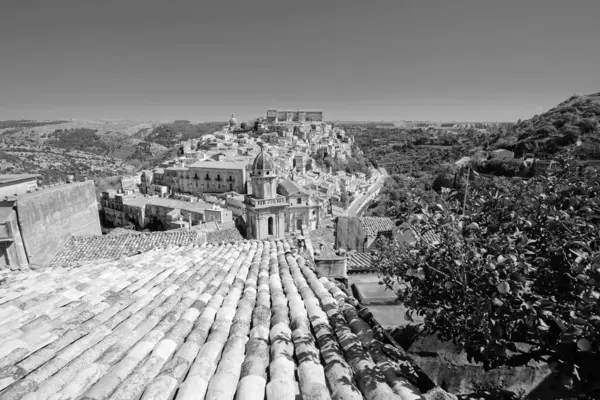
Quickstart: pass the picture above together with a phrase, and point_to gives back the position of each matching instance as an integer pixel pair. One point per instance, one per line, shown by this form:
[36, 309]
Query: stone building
[218, 214]
[265, 209]
[140, 211]
[302, 208]
[294, 116]
[200, 177]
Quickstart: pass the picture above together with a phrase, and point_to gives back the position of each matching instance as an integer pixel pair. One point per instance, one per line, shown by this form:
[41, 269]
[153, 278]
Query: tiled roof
[375, 225]
[225, 235]
[249, 320]
[107, 247]
[359, 262]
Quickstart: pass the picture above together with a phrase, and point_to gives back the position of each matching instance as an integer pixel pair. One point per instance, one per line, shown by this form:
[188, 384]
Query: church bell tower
[265, 209]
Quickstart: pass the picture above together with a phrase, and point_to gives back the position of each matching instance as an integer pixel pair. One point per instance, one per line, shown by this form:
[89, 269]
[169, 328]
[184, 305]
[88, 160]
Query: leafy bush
[514, 279]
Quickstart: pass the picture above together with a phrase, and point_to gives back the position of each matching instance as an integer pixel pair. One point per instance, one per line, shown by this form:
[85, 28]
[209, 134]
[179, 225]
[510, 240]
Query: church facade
[265, 209]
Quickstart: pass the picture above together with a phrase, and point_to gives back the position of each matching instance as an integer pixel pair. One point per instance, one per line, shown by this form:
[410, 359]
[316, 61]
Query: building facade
[265, 209]
[200, 177]
[140, 211]
[294, 116]
[302, 210]
[218, 214]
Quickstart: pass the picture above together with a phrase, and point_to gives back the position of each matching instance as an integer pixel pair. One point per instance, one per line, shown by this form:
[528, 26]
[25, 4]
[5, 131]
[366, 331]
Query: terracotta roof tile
[359, 262]
[87, 248]
[249, 320]
[225, 235]
[375, 225]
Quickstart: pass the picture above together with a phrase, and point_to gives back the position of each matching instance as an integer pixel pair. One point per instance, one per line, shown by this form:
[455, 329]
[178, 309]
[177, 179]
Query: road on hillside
[358, 203]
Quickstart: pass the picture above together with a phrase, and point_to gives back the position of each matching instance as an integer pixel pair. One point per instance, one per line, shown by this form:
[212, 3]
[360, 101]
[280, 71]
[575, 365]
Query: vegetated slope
[558, 130]
[55, 149]
[114, 138]
[409, 152]
[170, 134]
[54, 164]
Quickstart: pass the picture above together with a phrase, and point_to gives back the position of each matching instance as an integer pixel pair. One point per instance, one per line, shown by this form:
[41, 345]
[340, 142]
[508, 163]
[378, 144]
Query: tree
[516, 279]
[343, 194]
[244, 126]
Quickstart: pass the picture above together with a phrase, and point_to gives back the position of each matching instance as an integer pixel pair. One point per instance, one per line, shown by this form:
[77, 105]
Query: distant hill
[558, 130]
[130, 145]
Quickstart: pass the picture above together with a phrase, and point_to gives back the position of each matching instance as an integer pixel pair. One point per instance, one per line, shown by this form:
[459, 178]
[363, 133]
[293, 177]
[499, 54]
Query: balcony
[259, 203]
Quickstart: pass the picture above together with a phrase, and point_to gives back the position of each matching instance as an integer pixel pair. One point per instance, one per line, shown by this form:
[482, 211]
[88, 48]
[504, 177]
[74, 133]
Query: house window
[207, 177]
[314, 212]
[270, 225]
[299, 201]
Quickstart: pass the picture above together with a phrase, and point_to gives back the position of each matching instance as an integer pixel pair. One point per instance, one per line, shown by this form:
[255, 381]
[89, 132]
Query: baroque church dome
[263, 162]
[232, 121]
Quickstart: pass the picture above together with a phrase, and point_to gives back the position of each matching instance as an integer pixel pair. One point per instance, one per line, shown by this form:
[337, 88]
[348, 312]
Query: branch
[437, 270]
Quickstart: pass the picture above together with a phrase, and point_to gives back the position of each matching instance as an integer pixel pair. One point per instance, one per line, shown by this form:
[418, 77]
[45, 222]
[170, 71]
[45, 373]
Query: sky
[458, 60]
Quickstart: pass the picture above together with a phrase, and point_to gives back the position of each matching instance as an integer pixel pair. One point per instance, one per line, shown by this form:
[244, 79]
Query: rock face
[449, 368]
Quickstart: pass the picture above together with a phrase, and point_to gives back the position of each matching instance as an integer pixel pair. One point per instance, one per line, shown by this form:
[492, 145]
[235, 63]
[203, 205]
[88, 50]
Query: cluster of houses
[211, 176]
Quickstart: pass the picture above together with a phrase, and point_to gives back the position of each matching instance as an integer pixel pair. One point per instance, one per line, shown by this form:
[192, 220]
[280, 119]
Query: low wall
[450, 369]
[331, 267]
[48, 218]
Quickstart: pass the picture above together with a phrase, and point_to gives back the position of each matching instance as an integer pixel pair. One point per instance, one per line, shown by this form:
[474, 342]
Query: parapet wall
[49, 217]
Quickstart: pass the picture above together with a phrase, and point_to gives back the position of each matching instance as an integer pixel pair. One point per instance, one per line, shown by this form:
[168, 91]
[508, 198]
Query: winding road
[361, 201]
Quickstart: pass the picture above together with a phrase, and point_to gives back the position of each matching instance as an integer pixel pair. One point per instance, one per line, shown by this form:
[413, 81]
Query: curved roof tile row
[248, 320]
[88, 248]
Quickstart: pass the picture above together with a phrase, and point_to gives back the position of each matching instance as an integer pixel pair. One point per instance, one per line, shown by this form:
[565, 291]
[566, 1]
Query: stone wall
[449, 367]
[331, 267]
[49, 217]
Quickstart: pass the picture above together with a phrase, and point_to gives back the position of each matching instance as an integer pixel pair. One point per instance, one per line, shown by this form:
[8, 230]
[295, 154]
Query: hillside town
[216, 179]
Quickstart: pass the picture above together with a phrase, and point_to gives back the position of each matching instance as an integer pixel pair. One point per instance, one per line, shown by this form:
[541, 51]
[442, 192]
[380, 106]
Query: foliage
[556, 131]
[352, 164]
[82, 139]
[27, 123]
[515, 279]
[171, 134]
[497, 390]
[499, 166]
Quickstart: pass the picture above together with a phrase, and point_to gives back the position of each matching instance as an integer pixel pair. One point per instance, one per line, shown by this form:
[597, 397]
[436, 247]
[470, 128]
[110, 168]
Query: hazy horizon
[465, 60]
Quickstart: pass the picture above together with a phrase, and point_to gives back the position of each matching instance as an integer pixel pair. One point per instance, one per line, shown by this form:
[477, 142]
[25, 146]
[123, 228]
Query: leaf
[473, 226]
[448, 285]
[500, 260]
[497, 302]
[543, 327]
[584, 345]
[420, 274]
[503, 287]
